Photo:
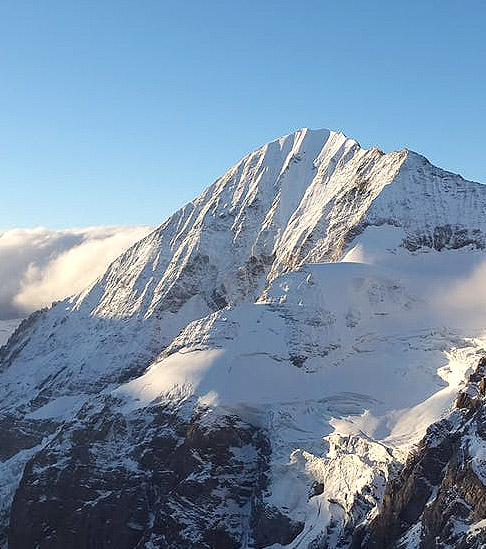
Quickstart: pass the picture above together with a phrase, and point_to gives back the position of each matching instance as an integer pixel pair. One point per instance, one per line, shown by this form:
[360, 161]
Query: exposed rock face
[151, 478]
[439, 498]
[187, 399]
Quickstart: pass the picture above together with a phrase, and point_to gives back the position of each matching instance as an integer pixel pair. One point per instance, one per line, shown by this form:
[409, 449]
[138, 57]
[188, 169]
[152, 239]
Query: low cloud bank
[39, 266]
[467, 294]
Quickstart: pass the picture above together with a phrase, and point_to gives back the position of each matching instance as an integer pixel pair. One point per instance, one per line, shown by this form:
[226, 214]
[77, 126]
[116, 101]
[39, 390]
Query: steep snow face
[437, 209]
[266, 214]
[299, 199]
[301, 293]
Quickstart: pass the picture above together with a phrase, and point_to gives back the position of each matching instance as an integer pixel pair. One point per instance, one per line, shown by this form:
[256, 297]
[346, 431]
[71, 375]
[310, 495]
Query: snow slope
[343, 364]
[309, 293]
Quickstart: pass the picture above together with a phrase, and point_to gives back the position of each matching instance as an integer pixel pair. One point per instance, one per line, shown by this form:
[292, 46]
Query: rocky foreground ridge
[260, 370]
[437, 500]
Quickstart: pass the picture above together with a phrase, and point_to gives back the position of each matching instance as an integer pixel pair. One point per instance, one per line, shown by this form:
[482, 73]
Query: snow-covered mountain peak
[309, 197]
[285, 203]
[288, 325]
[301, 198]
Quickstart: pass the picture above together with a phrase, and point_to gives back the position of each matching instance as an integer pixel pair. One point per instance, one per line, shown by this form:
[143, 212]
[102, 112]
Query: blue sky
[119, 112]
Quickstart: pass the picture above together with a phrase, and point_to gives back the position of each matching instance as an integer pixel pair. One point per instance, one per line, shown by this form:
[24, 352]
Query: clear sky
[119, 112]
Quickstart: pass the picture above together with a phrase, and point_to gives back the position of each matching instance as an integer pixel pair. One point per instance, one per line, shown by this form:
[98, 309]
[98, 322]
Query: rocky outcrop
[150, 479]
[439, 498]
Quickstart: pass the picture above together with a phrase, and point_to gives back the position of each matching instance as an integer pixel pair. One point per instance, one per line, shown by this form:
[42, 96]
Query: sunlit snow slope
[312, 307]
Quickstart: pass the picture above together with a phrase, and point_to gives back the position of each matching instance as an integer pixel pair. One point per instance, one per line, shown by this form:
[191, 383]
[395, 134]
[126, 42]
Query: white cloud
[460, 303]
[39, 266]
[467, 294]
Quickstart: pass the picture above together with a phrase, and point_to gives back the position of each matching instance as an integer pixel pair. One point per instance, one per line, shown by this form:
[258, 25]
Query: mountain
[258, 370]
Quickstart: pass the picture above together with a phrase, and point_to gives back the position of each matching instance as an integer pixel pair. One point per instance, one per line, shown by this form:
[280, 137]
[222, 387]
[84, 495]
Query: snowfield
[345, 365]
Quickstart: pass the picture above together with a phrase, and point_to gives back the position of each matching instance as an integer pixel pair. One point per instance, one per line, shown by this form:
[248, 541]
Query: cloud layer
[39, 266]
[467, 294]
